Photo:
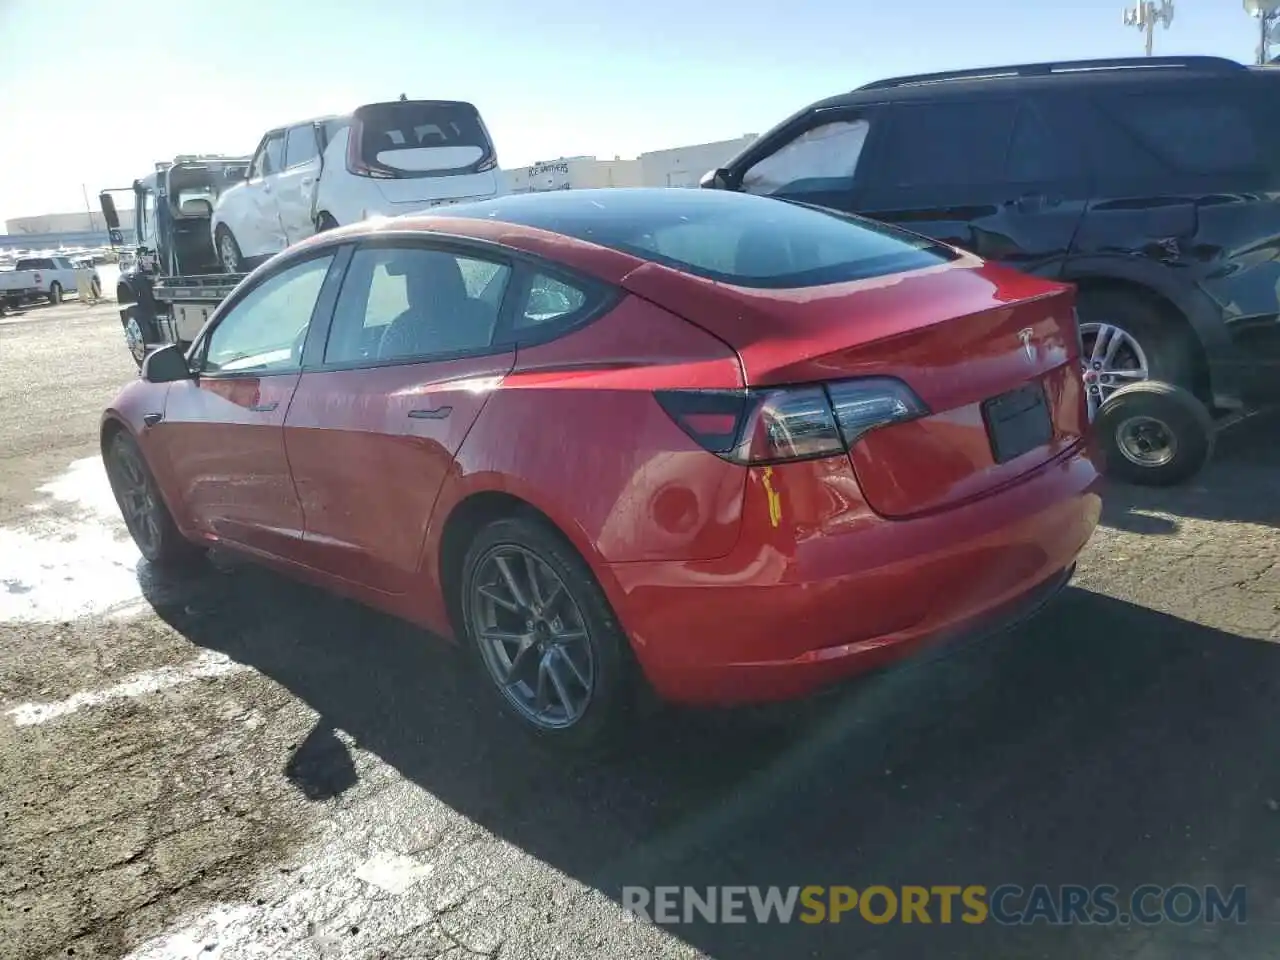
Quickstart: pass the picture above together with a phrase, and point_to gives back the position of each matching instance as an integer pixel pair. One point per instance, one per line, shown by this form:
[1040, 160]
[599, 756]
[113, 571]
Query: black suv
[1151, 183]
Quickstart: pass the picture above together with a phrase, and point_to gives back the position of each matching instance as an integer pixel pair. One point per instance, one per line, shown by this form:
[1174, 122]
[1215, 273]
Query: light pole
[1145, 14]
[1267, 12]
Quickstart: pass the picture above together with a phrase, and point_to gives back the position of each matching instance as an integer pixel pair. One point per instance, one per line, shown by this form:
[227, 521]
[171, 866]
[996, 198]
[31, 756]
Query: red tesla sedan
[739, 447]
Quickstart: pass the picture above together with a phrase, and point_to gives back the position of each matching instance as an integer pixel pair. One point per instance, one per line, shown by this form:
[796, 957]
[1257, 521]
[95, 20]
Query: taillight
[355, 162]
[768, 425]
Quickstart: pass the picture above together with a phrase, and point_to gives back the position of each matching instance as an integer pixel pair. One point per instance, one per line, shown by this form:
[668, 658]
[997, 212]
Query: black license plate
[1017, 421]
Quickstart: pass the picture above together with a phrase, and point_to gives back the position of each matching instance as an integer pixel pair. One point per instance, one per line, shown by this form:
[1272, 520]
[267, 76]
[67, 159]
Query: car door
[987, 174]
[822, 159]
[223, 430]
[372, 432]
[295, 185]
[255, 219]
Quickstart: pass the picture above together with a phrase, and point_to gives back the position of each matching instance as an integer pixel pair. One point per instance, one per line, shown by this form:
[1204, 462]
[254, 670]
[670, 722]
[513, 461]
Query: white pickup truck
[47, 278]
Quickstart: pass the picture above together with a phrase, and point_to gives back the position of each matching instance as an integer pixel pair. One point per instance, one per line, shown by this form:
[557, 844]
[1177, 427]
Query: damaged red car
[731, 447]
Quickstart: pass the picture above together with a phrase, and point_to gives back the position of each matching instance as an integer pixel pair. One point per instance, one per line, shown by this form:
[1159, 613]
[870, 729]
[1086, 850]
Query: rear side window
[1186, 132]
[549, 301]
[948, 143]
[1036, 154]
[820, 160]
[422, 138]
[301, 145]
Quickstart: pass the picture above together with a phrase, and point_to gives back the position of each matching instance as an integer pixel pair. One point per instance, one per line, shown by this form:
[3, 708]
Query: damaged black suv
[1152, 183]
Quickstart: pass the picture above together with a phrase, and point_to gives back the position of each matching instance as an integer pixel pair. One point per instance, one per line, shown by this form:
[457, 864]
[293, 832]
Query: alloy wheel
[135, 341]
[1112, 359]
[136, 496]
[532, 637]
[229, 254]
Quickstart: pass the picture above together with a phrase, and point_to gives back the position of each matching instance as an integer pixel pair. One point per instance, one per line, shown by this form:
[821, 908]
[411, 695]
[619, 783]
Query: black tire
[96, 289]
[55, 293]
[611, 699]
[228, 249]
[325, 222]
[1170, 348]
[143, 509]
[1154, 434]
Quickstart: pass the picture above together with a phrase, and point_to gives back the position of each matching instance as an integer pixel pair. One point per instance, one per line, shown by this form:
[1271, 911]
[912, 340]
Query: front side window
[401, 303]
[818, 161]
[264, 332]
[301, 145]
[269, 157]
[948, 143]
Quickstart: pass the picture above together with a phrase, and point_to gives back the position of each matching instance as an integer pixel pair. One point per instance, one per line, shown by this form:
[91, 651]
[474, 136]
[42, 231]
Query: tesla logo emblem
[1028, 348]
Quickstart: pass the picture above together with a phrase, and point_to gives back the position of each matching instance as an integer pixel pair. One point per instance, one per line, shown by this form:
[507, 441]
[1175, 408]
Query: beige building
[677, 167]
[82, 222]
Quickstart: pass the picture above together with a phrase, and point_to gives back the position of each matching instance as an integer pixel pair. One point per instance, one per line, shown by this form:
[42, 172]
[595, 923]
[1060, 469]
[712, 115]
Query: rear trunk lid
[991, 352]
[421, 153]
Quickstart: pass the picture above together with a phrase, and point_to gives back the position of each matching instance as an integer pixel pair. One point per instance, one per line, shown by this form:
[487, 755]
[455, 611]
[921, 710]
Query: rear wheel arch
[1184, 333]
[478, 509]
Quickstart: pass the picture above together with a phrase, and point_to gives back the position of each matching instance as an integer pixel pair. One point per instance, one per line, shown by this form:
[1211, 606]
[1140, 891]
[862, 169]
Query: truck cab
[172, 281]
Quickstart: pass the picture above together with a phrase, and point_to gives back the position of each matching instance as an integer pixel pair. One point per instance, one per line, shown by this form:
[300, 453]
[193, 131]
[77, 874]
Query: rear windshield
[423, 138]
[36, 264]
[730, 237]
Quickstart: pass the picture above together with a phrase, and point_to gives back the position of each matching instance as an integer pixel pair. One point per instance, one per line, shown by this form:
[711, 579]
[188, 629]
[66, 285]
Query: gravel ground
[236, 766]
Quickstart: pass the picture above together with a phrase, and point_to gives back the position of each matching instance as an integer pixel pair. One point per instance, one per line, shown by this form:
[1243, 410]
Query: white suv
[384, 159]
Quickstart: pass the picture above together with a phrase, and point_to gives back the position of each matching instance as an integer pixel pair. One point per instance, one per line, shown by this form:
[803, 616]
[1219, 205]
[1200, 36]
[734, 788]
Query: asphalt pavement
[232, 765]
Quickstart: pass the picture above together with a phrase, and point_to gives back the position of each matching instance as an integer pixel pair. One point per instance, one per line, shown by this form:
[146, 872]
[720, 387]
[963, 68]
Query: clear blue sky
[94, 92]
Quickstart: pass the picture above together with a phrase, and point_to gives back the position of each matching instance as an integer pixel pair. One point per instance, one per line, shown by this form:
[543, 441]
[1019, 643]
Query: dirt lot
[235, 766]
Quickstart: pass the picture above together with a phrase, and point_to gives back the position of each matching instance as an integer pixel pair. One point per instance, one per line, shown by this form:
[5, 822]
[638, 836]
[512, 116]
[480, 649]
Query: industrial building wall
[82, 222]
[684, 166]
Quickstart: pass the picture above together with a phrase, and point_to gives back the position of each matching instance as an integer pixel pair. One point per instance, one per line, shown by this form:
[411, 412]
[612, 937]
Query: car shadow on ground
[1238, 485]
[1101, 743]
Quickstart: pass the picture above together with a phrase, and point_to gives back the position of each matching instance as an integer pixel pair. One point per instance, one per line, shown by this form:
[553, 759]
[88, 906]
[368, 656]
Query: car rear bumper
[820, 588]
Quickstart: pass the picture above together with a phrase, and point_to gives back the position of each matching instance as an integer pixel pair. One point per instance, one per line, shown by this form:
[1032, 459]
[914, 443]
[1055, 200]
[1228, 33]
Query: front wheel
[1154, 434]
[144, 511]
[55, 293]
[229, 255]
[552, 649]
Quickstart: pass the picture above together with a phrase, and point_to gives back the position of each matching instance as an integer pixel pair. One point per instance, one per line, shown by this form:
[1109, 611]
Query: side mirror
[717, 179]
[166, 365]
[196, 207]
[109, 211]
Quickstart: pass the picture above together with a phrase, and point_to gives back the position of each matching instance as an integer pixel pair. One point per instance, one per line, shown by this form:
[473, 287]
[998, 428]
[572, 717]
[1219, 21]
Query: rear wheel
[542, 629]
[229, 255]
[144, 511]
[55, 292]
[1128, 340]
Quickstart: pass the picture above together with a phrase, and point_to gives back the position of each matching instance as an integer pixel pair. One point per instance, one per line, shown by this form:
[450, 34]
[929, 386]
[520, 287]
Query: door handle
[265, 407]
[438, 413]
[306, 181]
[151, 419]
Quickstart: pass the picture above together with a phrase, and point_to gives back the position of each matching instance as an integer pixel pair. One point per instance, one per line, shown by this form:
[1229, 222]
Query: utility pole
[1267, 13]
[1145, 14]
[93, 226]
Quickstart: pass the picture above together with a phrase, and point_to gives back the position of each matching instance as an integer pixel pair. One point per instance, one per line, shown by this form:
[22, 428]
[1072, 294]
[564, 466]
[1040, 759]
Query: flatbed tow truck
[172, 285]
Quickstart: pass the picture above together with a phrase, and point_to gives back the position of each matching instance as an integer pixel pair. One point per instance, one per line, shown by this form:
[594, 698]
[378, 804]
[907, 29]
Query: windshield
[734, 238]
[422, 138]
